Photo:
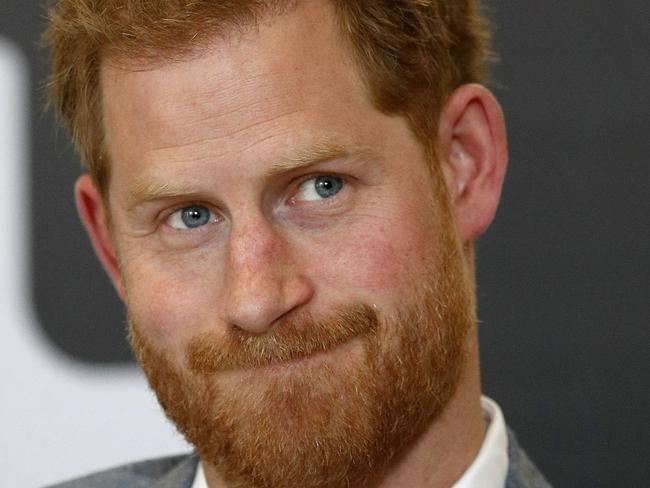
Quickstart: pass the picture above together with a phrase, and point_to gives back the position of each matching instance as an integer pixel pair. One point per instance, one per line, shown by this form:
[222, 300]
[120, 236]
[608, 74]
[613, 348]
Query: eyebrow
[318, 153]
[151, 191]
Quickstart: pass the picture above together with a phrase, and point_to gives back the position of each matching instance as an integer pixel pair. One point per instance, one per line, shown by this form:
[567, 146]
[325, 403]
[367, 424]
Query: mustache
[289, 340]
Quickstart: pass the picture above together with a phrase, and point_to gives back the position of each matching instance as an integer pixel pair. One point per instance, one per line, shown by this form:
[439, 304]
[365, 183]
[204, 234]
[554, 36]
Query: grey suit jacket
[179, 472]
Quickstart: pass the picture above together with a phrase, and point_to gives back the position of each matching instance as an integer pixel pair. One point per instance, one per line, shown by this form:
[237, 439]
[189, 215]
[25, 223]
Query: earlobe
[94, 218]
[473, 150]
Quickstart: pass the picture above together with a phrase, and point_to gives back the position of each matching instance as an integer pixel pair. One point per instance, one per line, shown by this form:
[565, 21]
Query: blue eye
[190, 217]
[320, 187]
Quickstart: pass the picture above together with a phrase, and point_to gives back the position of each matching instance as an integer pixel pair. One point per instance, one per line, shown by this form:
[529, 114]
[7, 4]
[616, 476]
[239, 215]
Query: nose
[263, 280]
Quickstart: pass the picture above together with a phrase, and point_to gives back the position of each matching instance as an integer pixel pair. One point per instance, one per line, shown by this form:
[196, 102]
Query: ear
[93, 215]
[473, 152]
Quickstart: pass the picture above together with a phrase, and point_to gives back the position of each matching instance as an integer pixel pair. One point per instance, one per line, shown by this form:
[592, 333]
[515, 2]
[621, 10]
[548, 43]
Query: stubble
[326, 402]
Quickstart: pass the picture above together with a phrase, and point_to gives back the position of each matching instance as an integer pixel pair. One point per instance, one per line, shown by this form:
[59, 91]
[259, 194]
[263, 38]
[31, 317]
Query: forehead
[216, 122]
[282, 65]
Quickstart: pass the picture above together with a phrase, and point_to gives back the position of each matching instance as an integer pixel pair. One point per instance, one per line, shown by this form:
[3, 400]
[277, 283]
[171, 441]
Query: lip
[345, 349]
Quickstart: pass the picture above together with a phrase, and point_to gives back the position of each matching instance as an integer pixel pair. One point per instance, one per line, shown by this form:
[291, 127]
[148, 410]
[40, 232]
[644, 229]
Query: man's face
[294, 286]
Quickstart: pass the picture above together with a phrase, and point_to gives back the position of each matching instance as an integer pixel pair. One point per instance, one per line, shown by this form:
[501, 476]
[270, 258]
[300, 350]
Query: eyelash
[165, 216]
[344, 180]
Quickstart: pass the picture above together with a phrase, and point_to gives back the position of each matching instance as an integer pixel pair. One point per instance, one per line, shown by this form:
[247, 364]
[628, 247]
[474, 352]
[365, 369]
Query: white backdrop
[58, 419]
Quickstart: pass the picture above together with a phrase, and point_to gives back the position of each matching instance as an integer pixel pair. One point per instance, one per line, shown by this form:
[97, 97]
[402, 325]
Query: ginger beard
[339, 419]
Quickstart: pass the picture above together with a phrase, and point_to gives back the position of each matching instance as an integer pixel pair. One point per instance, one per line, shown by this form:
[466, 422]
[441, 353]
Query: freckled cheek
[373, 263]
[170, 304]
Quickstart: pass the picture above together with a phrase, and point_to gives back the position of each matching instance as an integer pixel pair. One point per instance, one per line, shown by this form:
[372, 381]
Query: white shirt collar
[488, 470]
[490, 467]
[199, 479]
